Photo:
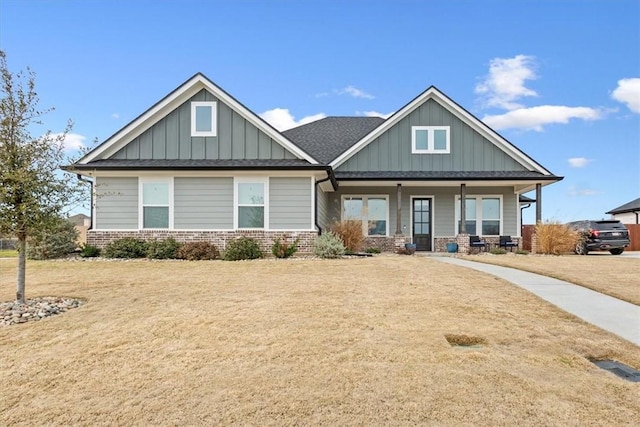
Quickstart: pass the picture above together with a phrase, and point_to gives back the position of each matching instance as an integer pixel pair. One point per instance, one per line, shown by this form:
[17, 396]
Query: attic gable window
[204, 116]
[430, 140]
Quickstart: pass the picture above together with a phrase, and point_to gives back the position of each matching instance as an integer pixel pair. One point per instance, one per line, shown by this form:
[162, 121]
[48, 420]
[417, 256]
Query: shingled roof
[632, 206]
[327, 138]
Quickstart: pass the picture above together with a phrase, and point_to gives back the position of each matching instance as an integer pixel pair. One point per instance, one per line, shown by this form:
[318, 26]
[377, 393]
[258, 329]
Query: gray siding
[443, 206]
[323, 209]
[392, 150]
[290, 206]
[116, 203]
[170, 138]
[203, 203]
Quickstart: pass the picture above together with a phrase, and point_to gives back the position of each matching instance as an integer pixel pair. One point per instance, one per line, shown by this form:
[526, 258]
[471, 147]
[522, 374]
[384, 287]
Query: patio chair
[506, 242]
[476, 242]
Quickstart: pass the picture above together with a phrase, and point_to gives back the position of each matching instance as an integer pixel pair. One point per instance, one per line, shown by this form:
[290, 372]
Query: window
[156, 203]
[483, 215]
[371, 211]
[430, 140]
[204, 118]
[250, 203]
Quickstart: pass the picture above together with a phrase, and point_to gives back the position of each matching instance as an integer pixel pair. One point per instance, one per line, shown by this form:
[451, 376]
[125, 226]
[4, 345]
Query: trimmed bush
[405, 251]
[350, 232]
[329, 245]
[127, 247]
[555, 238]
[89, 251]
[198, 251]
[373, 250]
[58, 240]
[283, 249]
[163, 249]
[242, 248]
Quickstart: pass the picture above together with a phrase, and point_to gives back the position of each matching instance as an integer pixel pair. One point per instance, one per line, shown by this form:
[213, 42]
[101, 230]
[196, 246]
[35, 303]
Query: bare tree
[33, 190]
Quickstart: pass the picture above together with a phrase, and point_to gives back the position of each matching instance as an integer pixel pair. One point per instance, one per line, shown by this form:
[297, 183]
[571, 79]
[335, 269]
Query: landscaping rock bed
[35, 309]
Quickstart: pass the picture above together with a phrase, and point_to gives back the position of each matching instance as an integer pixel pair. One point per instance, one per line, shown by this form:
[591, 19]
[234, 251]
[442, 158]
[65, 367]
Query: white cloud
[282, 119]
[505, 82]
[628, 92]
[374, 114]
[575, 191]
[535, 118]
[72, 141]
[115, 116]
[355, 92]
[578, 162]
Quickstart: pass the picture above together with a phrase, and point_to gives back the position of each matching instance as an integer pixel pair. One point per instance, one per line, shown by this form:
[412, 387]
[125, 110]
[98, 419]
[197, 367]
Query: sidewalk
[611, 314]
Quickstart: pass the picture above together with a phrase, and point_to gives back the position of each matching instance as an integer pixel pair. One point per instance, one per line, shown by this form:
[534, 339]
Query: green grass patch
[8, 253]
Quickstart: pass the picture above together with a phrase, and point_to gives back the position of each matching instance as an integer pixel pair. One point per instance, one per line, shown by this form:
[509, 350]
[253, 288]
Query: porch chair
[476, 242]
[506, 242]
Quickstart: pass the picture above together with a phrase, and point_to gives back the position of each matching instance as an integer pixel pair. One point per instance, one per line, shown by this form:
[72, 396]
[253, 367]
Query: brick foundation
[218, 238]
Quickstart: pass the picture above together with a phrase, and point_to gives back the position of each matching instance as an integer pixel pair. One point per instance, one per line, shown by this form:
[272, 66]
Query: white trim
[430, 140]
[365, 203]
[459, 112]
[214, 118]
[312, 222]
[518, 215]
[251, 180]
[176, 98]
[433, 217]
[479, 218]
[149, 180]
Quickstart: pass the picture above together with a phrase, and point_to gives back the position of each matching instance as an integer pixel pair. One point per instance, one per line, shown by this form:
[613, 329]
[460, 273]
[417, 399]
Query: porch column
[463, 214]
[399, 208]
[538, 203]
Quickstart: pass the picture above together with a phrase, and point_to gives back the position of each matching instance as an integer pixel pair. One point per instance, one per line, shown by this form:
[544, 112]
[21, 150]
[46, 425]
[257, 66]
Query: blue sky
[559, 79]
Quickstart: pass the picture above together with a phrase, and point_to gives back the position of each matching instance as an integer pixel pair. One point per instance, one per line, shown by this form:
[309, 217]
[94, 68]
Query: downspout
[80, 178]
[315, 213]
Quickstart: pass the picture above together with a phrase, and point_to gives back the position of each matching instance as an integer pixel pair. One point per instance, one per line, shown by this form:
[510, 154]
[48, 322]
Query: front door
[422, 224]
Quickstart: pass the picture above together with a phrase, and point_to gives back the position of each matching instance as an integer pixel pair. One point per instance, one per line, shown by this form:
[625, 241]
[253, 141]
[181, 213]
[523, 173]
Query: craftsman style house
[199, 165]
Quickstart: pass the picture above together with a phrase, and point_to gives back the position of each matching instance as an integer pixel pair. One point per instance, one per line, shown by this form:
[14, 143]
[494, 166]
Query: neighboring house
[199, 165]
[628, 213]
[79, 220]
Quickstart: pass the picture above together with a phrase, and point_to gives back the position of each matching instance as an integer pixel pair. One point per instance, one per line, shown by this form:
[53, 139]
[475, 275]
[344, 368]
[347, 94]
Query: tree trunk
[22, 256]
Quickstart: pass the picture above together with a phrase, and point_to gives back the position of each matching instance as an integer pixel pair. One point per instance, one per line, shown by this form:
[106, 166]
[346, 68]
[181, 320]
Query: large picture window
[483, 215]
[430, 140]
[156, 203]
[251, 203]
[204, 118]
[371, 211]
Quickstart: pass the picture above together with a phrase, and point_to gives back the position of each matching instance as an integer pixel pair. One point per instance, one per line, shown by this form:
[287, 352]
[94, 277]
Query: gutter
[80, 178]
[334, 183]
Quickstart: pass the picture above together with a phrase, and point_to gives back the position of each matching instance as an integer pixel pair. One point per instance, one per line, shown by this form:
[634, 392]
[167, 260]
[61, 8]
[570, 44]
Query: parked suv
[604, 235]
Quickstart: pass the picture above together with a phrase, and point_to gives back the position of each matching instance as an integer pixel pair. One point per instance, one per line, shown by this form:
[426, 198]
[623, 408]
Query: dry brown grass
[302, 342]
[611, 275]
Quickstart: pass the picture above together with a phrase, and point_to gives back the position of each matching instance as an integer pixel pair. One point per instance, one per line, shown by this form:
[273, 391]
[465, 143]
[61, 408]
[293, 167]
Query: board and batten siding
[469, 151]
[290, 203]
[116, 202]
[170, 138]
[203, 203]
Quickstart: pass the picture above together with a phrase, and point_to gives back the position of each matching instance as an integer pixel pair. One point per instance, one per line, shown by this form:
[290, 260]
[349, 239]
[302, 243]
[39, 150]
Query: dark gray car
[603, 235]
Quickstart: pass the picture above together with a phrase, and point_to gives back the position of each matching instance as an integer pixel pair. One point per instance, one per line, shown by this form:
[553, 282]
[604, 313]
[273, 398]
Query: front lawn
[302, 342]
[609, 274]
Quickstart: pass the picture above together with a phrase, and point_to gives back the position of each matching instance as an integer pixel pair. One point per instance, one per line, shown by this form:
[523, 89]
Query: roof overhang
[176, 98]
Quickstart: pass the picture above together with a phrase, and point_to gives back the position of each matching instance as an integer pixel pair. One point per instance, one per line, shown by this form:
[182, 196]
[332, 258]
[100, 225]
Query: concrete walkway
[611, 314]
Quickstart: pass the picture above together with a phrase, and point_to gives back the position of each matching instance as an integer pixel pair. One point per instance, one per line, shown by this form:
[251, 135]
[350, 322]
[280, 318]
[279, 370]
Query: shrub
[56, 241]
[283, 249]
[89, 251]
[373, 250]
[329, 245]
[242, 248]
[555, 238]
[405, 251]
[127, 247]
[522, 252]
[197, 251]
[350, 232]
[163, 249]
[498, 251]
